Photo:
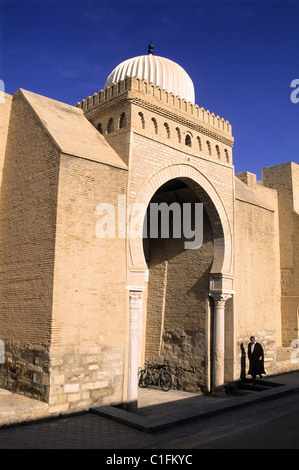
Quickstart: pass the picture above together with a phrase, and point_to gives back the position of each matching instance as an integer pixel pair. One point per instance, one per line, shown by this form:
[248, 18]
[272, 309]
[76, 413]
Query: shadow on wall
[177, 295]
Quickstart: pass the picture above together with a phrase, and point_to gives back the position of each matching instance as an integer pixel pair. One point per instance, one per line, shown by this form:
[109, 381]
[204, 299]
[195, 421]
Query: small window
[154, 121]
[99, 128]
[188, 140]
[199, 144]
[122, 120]
[179, 134]
[141, 115]
[110, 126]
[209, 147]
[218, 151]
[167, 129]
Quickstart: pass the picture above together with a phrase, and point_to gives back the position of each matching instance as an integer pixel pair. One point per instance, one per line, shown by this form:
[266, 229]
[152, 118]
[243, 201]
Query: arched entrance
[176, 302]
[211, 269]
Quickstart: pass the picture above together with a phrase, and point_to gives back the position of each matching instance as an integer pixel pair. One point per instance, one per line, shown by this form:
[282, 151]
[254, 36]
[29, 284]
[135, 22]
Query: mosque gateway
[127, 237]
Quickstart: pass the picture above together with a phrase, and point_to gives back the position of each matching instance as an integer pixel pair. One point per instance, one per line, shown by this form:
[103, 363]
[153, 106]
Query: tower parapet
[157, 94]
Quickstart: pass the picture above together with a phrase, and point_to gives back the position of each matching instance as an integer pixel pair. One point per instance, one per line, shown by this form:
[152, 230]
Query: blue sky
[241, 55]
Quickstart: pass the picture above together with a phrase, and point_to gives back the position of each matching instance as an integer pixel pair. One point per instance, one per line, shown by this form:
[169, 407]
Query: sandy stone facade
[84, 302]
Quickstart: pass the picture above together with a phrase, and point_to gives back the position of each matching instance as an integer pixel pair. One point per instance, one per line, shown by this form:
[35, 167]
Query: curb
[183, 416]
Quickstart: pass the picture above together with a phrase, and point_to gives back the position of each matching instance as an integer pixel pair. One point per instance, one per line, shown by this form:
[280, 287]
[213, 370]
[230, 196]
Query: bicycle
[155, 374]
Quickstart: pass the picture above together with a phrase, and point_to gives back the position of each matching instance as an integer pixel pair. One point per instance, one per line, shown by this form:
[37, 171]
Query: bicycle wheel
[144, 378]
[165, 380]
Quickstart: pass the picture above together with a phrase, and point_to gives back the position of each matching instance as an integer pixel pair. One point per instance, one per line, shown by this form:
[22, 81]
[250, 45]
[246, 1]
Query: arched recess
[203, 187]
[221, 272]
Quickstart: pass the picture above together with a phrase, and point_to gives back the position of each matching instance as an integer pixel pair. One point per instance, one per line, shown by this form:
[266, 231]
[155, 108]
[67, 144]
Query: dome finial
[150, 48]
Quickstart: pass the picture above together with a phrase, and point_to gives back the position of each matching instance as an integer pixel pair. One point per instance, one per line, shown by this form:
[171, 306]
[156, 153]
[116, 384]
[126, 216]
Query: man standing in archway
[256, 359]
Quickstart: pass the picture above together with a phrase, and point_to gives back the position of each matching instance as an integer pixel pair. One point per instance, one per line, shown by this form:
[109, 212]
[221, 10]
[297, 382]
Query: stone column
[219, 337]
[135, 308]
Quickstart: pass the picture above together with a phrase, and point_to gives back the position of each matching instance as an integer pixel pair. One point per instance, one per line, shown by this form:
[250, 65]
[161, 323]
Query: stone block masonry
[285, 180]
[89, 299]
[83, 378]
[25, 369]
[27, 238]
[62, 288]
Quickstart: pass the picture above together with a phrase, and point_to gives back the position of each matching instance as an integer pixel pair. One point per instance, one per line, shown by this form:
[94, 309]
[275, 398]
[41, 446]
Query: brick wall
[63, 296]
[89, 305]
[176, 305]
[177, 317]
[284, 179]
[257, 277]
[28, 221]
[5, 107]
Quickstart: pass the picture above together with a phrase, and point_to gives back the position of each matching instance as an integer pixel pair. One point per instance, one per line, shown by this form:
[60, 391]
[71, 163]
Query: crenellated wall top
[135, 84]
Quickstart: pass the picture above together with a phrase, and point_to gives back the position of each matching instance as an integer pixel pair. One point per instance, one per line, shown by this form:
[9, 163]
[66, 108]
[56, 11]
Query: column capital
[135, 296]
[220, 298]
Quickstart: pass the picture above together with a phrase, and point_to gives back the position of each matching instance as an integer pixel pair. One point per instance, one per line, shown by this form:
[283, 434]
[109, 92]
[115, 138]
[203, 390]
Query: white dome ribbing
[160, 71]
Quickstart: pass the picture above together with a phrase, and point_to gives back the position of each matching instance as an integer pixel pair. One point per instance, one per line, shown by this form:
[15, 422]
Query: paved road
[265, 425]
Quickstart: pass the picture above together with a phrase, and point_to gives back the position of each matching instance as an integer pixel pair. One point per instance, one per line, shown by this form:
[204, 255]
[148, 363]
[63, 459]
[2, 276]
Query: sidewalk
[16, 408]
[158, 410]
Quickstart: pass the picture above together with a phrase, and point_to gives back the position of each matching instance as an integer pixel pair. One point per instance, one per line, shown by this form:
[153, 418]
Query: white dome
[158, 70]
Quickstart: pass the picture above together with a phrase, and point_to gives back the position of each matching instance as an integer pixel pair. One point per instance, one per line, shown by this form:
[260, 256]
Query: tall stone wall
[27, 245]
[285, 180]
[88, 347]
[5, 108]
[257, 268]
[63, 296]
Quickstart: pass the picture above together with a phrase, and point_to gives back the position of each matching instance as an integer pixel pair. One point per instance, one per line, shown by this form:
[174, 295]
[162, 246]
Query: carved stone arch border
[222, 233]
